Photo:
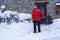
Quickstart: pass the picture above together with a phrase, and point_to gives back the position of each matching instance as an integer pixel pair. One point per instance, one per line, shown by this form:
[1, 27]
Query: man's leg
[34, 26]
[39, 30]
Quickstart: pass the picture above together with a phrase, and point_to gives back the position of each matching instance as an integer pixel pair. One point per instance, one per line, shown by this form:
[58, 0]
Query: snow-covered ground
[24, 30]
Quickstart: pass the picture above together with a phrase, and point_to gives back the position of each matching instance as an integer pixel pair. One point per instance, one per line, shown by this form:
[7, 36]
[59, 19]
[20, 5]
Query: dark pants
[38, 24]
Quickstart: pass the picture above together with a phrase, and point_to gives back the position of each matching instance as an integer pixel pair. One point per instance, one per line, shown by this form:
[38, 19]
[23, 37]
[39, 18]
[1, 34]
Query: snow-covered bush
[13, 16]
[9, 17]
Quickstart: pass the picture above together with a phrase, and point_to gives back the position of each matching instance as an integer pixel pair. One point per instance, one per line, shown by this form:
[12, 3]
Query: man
[36, 13]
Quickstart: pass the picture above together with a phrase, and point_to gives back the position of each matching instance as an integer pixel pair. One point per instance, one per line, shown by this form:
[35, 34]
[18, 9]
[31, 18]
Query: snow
[57, 3]
[3, 6]
[7, 13]
[24, 30]
[22, 16]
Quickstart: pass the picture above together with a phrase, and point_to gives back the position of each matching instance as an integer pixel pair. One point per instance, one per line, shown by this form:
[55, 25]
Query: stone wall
[51, 9]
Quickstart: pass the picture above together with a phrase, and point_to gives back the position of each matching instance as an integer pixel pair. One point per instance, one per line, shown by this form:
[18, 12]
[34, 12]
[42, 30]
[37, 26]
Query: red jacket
[36, 13]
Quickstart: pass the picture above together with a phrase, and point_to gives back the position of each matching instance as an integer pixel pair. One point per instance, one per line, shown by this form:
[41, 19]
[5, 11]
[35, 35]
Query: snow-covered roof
[57, 3]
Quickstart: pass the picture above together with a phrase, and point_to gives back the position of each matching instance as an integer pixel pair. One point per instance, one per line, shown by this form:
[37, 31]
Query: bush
[10, 19]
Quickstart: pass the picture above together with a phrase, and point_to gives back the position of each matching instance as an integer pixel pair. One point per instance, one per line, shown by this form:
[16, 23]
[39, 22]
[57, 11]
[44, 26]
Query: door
[43, 8]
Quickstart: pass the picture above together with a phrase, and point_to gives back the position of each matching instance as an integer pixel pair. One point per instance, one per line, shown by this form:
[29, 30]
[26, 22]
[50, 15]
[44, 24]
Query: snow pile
[9, 17]
[7, 13]
[13, 15]
[22, 16]
[25, 16]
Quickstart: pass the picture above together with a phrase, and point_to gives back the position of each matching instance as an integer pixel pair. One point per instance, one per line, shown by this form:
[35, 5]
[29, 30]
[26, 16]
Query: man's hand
[42, 17]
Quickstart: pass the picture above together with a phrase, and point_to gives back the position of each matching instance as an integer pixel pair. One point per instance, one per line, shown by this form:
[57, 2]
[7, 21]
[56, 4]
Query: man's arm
[42, 13]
